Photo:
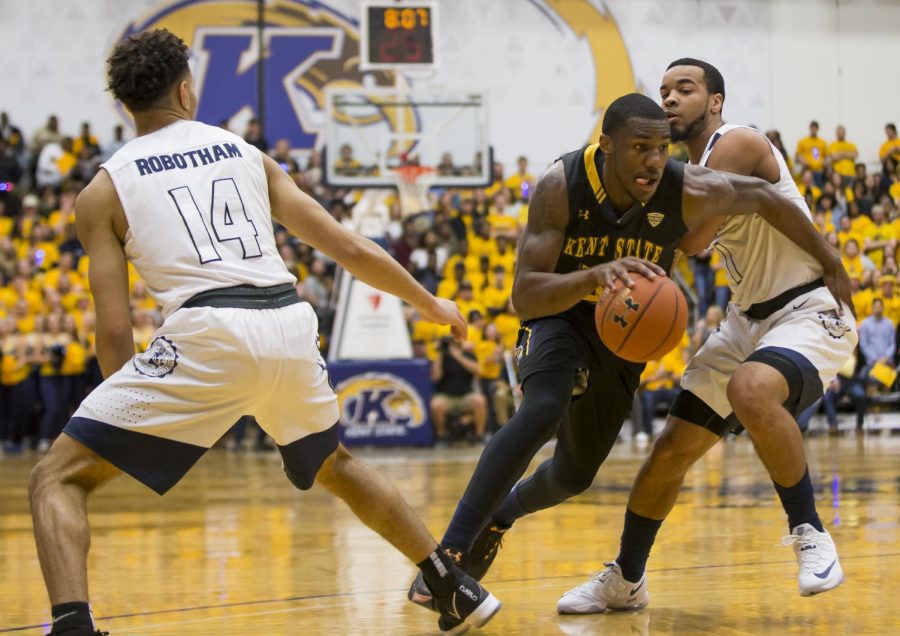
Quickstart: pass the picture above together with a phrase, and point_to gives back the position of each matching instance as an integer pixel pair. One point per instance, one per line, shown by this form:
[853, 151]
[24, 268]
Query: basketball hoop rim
[411, 174]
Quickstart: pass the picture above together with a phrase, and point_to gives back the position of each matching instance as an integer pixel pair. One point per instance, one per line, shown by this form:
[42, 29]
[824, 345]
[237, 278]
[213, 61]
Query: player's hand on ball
[445, 312]
[608, 273]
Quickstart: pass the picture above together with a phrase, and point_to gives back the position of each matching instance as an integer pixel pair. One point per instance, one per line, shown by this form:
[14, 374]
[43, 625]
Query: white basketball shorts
[807, 325]
[205, 368]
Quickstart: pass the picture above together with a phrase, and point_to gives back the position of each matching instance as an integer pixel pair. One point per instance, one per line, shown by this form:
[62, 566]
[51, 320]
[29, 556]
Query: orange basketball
[644, 322]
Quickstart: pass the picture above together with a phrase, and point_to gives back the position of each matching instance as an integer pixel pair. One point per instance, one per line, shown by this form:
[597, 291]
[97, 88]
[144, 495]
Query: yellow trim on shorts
[527, 339]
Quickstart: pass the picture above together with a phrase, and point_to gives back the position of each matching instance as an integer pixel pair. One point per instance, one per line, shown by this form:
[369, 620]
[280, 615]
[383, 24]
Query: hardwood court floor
[234, 549]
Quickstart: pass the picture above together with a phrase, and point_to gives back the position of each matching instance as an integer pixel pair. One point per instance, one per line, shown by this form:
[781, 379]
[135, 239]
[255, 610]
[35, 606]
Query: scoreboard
[398, 35]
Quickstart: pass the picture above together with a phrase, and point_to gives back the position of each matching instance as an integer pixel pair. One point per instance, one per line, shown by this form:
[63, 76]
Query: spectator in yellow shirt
[16, 366]
[659, 383]
[346, 164]
[522, 182]
[449, 287]
[879, 237]
[889, 298]
[497, 180]
[508, 325]
[862, 297]
[467, 301]
[490, 354]
[807, 185]
[85, 140]
[505, 255]
[496, 295]
[843, 154]
[891, 146]
[823, 222]
[857, 264]
[811, 152]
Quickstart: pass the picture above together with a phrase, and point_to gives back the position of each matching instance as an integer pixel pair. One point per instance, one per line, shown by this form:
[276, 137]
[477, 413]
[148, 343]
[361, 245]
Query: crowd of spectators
[462, 248]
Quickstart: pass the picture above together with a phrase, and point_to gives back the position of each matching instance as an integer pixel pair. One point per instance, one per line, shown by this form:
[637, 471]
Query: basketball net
[413, 184]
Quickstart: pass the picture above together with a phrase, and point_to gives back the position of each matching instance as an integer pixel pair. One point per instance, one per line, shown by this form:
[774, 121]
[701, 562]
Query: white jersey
[761, 261]
[197, 203]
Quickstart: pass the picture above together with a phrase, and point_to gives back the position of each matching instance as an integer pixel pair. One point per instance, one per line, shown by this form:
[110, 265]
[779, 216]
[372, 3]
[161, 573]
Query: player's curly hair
[143, 67]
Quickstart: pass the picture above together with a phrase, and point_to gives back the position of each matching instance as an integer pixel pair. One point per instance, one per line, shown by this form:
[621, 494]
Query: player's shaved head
[632, 105]
[143, 68]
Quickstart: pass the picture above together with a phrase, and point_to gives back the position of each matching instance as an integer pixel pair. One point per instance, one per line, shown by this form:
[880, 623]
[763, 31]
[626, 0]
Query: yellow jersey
[844, 167]
[889, 147]
[508, 327]
[812, 151]
[490, 364]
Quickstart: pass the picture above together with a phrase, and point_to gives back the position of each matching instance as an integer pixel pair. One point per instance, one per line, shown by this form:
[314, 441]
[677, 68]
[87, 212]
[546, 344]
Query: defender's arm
[309, 221]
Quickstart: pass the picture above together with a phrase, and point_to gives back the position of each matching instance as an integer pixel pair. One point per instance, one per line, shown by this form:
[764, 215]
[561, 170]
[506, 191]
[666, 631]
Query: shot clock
[398, 35]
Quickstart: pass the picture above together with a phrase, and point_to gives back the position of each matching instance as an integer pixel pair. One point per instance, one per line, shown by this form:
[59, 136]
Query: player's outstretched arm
[97, 213]
[311, 223]
[708, 193]
[538, 291]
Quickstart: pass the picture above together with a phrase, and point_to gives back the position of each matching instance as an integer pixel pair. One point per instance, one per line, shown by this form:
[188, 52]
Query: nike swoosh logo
[824, 574]
[455, 612]
[801, 304]
[634, 590]
[59, 618]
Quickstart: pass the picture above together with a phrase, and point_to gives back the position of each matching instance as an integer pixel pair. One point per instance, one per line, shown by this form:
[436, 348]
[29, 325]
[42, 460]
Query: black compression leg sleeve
[507, 455]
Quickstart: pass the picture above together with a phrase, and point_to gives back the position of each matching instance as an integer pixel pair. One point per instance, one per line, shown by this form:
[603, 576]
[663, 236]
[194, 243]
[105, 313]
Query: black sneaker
[485, 550]
[419, 592]
[77, 631]
[470, 605]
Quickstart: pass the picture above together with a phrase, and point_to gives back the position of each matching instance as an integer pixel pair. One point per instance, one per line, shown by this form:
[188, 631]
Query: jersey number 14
[228, 219]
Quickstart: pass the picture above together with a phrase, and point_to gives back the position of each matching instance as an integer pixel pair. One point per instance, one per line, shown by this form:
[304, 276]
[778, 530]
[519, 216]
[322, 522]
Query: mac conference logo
[308, 46]
[378, 404]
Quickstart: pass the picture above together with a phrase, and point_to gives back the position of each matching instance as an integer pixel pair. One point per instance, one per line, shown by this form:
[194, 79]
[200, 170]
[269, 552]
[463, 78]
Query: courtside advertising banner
[383, 403]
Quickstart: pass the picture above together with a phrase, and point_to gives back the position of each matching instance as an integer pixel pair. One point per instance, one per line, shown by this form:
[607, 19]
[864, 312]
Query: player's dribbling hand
[608, 273]
[838, 283]
[445, 312]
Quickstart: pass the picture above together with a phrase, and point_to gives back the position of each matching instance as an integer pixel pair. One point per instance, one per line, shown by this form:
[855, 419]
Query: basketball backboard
[370, 132]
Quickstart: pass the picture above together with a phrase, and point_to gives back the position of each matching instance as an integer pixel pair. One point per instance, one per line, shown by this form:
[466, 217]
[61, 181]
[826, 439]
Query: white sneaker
[820, 569]
[641, 439]
[605, 590]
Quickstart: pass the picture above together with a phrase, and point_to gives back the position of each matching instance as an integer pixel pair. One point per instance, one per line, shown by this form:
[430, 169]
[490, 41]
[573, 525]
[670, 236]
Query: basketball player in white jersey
[191, 206]
[784, 338]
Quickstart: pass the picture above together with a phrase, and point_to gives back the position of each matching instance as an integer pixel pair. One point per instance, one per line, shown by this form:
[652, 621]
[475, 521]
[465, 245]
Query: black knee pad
[690, 408]
[804, 384]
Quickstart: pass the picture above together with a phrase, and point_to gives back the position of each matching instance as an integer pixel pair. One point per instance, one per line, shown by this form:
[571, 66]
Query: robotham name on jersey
[199, 157]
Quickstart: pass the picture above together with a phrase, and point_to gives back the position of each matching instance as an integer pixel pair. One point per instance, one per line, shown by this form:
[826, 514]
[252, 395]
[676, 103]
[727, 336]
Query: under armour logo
[583, 214]
[621, 320]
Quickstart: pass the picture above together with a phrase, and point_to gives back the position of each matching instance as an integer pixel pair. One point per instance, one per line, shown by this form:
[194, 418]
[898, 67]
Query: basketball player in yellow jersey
[236, 339]
[784, 338]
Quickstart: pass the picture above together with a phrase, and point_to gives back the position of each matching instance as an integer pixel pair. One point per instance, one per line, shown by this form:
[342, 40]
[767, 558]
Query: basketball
[644, 322]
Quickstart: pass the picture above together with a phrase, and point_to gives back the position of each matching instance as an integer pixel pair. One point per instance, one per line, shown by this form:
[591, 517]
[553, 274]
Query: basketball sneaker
[419, 592]
[70, 625]
[77, 631]
[475, 564]
[605, 590]
[470, 605]
[820, 569]
[485, 550]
